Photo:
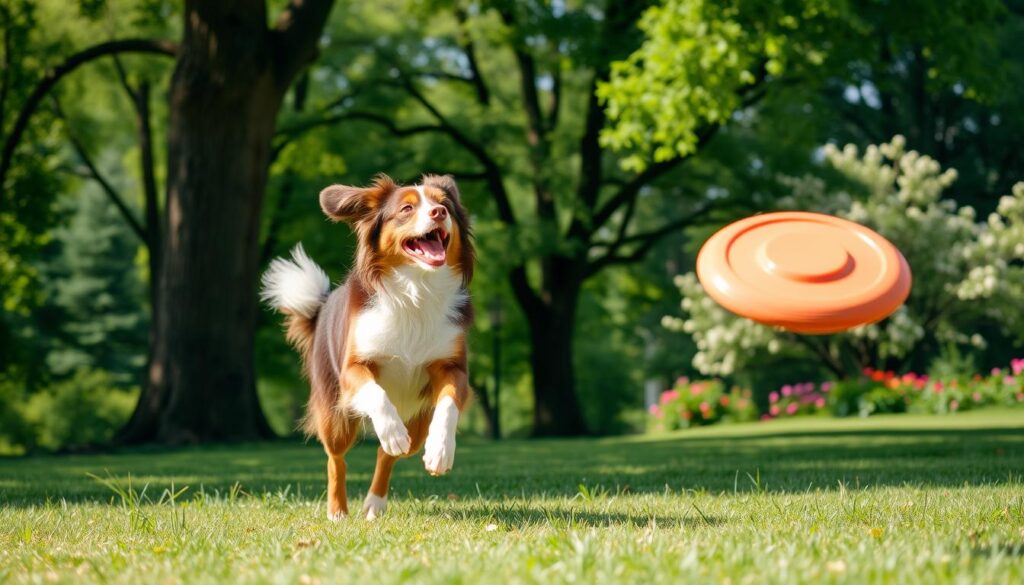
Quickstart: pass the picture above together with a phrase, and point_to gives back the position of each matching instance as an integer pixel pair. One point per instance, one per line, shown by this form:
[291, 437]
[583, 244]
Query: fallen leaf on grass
[836, 566]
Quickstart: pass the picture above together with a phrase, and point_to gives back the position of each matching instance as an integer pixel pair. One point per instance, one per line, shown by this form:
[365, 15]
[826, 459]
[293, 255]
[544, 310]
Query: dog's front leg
[370, 400]
[450, 392]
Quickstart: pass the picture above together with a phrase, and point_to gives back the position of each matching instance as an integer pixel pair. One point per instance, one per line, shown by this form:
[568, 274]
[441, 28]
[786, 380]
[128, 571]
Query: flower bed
[705, 402]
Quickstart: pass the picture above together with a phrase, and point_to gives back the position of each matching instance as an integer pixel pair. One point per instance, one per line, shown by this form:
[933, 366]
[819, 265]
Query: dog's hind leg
[337, 442]
[376, 502]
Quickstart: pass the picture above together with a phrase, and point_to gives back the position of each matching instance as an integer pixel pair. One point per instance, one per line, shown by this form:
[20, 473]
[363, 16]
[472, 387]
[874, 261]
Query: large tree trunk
[556, 410]
[225, 94]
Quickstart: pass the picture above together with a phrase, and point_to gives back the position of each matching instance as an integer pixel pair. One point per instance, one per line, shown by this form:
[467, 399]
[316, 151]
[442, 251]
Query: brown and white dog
[389, 344]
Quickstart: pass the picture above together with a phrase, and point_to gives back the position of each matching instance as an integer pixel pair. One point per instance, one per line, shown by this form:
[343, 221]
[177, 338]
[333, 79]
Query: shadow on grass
[520, 515]
[742, 461]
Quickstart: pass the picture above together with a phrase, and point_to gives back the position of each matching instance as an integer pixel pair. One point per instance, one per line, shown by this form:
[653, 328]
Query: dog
[389, 344]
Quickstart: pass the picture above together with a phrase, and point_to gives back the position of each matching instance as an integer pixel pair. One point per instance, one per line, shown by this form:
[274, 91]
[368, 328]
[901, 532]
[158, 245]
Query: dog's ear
[353, 204]
[445, 183]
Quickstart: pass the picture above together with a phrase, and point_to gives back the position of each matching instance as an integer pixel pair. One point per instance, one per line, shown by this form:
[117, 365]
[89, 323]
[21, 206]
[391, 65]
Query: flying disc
[805, 272]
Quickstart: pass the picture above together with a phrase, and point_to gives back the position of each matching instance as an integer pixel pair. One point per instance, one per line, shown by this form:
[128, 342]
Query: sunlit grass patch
[892, 499]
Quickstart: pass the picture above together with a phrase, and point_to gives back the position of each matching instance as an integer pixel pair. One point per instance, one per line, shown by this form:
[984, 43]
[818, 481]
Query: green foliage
[863, 396]
[94, 305]
[701, 61]
[83, 410]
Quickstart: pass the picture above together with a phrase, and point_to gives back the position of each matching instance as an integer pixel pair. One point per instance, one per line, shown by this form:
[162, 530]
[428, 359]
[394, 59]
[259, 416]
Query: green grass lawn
[902, 499]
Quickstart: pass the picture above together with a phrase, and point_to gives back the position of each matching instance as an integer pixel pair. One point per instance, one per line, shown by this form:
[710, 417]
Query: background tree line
[157, 154]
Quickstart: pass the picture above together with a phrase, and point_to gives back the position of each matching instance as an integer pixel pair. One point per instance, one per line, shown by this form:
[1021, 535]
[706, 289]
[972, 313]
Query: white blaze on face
[429, 251]
[423, 222]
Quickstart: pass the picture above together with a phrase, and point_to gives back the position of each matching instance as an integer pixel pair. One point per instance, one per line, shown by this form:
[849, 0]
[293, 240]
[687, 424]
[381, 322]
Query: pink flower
[766, 417]
[976, 397]
[867, 371]
[669, 395]
[704, 407]
[724, 401]
[1020, 397]
[954, 404]
[773, 397]
[682, 381]
[826, 386]
[937, 387]
[696, 389]
[1017, 365]
[774, 410]
[1009, 380]
[996, 371]
[787, 390]
[791, 409]
[655, 410]
[820, 403]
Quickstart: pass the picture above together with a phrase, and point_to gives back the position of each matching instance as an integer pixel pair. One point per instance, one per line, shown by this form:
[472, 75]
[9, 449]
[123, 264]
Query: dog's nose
[439, 213]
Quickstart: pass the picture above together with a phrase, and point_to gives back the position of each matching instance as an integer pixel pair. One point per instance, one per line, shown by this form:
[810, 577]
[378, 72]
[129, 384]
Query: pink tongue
[431, 248]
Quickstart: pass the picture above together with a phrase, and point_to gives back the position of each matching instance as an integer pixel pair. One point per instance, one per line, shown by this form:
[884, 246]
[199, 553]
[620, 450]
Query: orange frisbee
[805, 272]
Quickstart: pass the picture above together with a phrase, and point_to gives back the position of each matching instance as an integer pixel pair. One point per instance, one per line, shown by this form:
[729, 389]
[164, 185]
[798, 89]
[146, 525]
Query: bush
[86, 409]
[15, 432]
[703, 402]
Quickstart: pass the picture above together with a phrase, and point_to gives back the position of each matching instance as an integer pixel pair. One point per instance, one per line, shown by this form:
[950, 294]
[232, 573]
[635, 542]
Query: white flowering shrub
[965, 271]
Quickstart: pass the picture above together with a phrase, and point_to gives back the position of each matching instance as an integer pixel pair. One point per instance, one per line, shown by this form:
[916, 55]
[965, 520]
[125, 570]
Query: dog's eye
[407, 208]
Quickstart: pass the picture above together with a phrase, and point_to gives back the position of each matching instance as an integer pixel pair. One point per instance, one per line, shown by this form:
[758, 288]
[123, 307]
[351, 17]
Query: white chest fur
[409, 323]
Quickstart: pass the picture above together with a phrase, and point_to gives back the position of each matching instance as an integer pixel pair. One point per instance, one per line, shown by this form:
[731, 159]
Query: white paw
[374, 506]
[439, 453]
[393, 436]
[336, 516]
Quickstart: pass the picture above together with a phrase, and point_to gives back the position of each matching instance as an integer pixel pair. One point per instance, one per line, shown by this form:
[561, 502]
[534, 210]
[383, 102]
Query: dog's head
[421, 225]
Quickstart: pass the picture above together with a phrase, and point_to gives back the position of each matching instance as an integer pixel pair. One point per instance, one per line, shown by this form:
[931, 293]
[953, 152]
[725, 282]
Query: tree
[567, 210]
[231, 77]
[232, 72]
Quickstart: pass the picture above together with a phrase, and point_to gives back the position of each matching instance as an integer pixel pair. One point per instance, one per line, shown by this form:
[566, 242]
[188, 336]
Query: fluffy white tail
[297, 286]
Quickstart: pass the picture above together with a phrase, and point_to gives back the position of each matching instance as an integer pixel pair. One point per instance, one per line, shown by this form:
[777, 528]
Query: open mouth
[429, 248]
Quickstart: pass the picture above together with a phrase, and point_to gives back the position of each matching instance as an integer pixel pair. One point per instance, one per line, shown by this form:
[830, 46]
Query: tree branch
[5, 66]
[631, 189]
[750, 95]
[646, 240]
[528, 298]
[379, 119]
[536, 127]
[491, 168]
[483, 94]
[151, 46]
[827, 359]
[148, 167]
[94, 172]
[297, 32]
[556, 100]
